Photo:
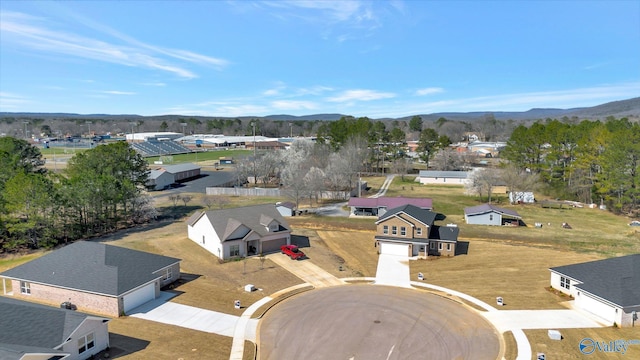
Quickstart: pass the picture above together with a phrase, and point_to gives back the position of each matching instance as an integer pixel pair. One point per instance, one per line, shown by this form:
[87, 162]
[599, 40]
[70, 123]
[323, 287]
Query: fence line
[238, 191]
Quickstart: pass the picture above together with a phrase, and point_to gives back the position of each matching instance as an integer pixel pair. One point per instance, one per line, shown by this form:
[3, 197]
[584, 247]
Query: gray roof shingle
[444, 174]
[24, 324]
[485, 208]
[256, 218]
[426, 217]
[93, 267]
[616, 280]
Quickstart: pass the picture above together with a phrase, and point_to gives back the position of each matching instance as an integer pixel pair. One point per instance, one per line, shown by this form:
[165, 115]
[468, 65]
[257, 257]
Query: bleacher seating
[160, 148]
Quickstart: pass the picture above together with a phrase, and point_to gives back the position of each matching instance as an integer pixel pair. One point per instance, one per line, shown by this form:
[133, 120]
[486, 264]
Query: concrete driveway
[162, 311]
[306, 270]
[393, 270]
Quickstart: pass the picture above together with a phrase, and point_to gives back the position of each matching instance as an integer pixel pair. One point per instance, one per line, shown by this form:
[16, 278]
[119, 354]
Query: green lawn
[593, 230]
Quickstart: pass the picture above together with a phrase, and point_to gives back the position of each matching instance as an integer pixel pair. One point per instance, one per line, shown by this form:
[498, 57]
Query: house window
[385, 229]
[85, 343]
[394, 230]
[403, 231]
[432, 245]
[439, 246]
[565, 282]
[168, 274]
[203, 239]
[418, 231]
[25, 287]
[448, 247]
[490, 217]
[234, 250]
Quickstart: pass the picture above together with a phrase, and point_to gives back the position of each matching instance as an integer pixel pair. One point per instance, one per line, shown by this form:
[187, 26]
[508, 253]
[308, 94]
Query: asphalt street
[374, 322]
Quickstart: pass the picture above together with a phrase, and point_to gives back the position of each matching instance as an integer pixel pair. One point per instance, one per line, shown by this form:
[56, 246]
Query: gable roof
[93, 267]
[485, 208]
[390, 202]
[172, 169]
[445, 233]
[17, 352]
[616, 280]
[444, 174]
[426, 217]
[286, 204]
[156, 173]
[25, 326]
[256, 218]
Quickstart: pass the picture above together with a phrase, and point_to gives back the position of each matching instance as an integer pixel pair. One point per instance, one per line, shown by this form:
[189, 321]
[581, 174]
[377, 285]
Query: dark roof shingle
[616, 280]
[27, 324]
[93, 267]
[256, 218]
[426, 217]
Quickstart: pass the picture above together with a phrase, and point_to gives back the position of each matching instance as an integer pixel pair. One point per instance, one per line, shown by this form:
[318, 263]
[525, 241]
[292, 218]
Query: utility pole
[89, 125]
[255, 177]
[25, 130]
[291, 130]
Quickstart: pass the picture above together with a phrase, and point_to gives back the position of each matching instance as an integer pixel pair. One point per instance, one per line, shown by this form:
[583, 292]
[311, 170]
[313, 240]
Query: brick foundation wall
[99, 304]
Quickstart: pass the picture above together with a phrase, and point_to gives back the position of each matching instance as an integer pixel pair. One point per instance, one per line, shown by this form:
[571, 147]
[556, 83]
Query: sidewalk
[162, 311]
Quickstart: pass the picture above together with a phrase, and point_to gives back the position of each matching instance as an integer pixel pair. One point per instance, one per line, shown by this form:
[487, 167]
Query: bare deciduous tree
[185, 199]
[174, 198]
[215, 200]
[519, 180]
[482, 181]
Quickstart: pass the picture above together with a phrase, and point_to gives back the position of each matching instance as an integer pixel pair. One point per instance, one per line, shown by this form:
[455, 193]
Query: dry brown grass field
[500, 261]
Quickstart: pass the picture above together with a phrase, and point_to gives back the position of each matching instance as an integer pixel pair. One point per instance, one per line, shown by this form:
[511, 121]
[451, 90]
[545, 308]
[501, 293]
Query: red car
[292, 251]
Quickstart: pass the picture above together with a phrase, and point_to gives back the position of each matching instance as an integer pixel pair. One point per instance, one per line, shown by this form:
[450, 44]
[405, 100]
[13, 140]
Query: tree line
[100, 191]
[588, 161]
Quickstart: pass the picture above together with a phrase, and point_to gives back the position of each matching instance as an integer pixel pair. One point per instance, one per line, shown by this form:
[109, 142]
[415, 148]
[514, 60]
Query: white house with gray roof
[240, 232]
[94, 277]
[488, 214]
[609, 289]
[31, 331]
[443, 177]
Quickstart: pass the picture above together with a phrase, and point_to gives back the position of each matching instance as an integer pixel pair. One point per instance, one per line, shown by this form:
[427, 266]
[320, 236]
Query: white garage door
[139, 297]
[394, 249]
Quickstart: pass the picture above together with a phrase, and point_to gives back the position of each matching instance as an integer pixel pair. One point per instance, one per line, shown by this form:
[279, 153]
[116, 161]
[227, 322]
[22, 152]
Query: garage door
[273, 245]
[394, 249]
[139, 297]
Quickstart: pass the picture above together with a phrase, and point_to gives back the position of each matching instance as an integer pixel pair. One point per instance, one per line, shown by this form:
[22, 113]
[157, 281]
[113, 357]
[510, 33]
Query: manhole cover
[376, 321]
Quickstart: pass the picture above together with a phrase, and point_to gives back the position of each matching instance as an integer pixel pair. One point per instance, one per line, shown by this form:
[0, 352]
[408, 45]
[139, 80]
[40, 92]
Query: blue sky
[360, 58]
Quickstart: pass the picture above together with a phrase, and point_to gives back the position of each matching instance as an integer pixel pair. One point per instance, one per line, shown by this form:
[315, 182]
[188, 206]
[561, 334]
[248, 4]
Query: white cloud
[429, 91]
[23, 30]
[9, 101]
[293, 105]
[361, 95]
[157, 84]
[117, 92]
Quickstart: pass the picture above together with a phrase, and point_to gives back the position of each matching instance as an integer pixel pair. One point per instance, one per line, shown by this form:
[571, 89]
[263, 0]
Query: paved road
[306, 270]
[374, 322]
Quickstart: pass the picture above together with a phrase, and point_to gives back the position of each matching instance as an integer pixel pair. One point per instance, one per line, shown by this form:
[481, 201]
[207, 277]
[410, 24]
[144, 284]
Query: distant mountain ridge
[621, 108]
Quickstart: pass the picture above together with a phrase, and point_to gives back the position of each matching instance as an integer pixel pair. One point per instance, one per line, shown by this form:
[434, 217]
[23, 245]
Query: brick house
[94, 277]
[410, 231]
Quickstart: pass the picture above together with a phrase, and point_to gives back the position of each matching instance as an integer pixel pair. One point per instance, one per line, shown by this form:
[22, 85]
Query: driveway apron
[393, 270]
